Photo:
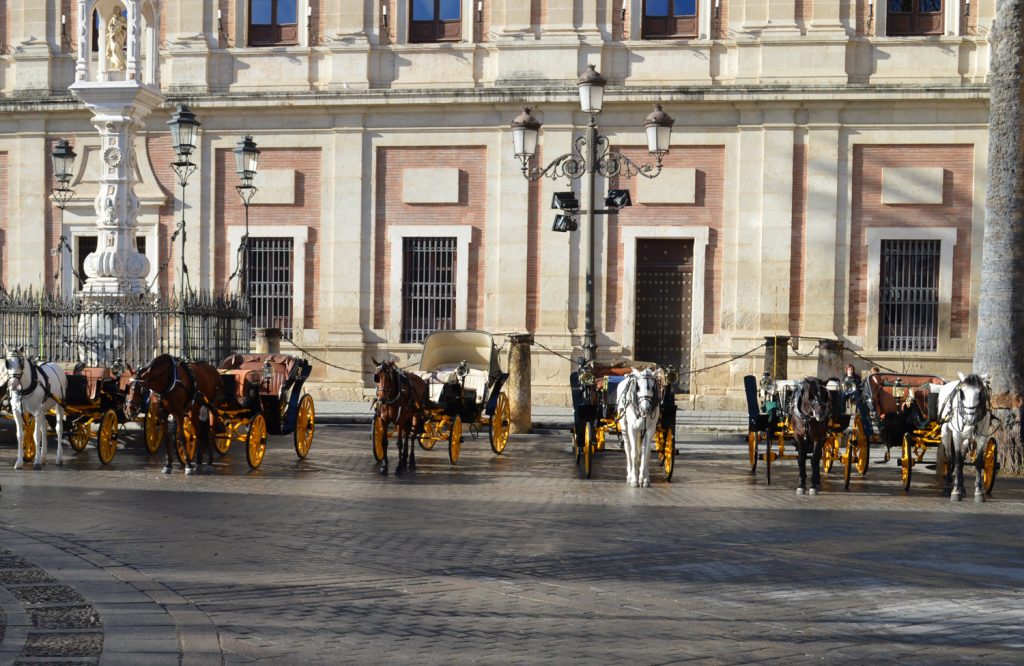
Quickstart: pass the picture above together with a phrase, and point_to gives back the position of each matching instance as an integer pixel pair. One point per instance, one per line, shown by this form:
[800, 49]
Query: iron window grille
[428, 286]
[914, 17]
[273, 22]
[665, 19]
[435, 21]
[909, 298]
[271, 283]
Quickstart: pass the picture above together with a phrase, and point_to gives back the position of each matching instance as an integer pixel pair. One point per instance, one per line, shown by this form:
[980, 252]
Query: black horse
[809, 415]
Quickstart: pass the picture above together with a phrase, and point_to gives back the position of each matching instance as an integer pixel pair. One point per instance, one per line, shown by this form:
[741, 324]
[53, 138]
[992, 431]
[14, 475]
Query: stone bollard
[830, 359]
[776, 356]
[518, 385]
[268, 341]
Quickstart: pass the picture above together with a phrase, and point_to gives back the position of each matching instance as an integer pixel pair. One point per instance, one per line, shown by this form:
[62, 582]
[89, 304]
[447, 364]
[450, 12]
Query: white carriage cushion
[476, 380]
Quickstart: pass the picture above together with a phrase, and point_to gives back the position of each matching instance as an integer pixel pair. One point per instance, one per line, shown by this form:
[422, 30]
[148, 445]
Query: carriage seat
[475, 381]
[284, 367]
[88, 387]
[889, 397]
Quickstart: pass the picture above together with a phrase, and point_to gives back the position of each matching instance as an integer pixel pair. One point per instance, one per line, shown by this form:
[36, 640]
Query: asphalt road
[509, 559]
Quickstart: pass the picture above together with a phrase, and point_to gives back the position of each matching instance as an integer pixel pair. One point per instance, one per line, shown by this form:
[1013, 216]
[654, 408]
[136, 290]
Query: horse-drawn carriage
[597, 413]
[769, 409]
[461, 380]
[248, 397]
[909, 411]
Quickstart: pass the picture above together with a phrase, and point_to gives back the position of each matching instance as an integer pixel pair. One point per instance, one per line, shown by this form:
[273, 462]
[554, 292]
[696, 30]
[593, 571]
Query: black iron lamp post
[184, 126]
[591, 156]
[247, 157]
[63, 156]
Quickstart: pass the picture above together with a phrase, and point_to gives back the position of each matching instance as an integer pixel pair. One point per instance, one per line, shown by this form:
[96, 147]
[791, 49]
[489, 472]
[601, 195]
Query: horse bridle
[815, 403]
[175, 380]
[32, 373]
[631, 391]
[392, 372]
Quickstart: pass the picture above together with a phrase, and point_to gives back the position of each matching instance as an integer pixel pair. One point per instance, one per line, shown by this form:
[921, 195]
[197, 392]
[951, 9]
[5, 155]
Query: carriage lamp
[618, 199]
[268, 371]
[849, 385]
[671, 377]
[586, 378]
[117, 368]
[591, 88]
[766, 382]
[462, 370]
[564, 201]
[564, 223]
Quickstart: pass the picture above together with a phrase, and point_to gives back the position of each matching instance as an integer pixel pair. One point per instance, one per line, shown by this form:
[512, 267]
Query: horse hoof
[979, 497]
[37, 467]
[60, 463]
[632, 483]
[800, 491]
[954, 497]
[189, 471]
[646, 483]
[812, 491]
[383, 471]
[166, 469]
[19, 465]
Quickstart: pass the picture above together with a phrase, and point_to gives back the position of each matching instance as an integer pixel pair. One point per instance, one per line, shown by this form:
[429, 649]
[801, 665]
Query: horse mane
[974, 381]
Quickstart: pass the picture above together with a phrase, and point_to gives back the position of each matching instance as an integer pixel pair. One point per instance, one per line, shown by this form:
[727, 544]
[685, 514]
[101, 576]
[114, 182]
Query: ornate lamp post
[591, 156]
[183, 126]
[247, 156]
[63, 156]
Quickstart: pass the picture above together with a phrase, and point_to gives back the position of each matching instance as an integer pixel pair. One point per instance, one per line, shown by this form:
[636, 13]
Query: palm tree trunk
[1000, 338]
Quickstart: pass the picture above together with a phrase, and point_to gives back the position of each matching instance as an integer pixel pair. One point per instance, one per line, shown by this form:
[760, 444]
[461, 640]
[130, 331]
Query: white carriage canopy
[443, 350]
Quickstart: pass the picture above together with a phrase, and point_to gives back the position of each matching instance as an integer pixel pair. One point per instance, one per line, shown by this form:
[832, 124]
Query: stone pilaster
[821, 234]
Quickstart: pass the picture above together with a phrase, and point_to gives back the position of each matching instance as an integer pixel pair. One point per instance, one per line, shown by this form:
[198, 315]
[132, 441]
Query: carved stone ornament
[112, 156]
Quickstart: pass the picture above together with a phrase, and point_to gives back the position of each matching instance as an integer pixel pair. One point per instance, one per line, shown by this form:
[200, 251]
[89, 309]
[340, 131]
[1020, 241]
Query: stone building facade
[826, 178]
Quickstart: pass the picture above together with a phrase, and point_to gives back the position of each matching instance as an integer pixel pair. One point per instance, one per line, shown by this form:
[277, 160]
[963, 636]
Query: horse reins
[34, 373]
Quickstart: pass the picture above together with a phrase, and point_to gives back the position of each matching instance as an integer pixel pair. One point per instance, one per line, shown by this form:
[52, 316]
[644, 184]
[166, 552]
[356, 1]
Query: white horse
[966, 423]
[638, 408]
[34, 389]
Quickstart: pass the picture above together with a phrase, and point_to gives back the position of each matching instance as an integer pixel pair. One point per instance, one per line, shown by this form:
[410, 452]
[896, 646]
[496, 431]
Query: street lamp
[591, 155]
[183, 126]
[63, 157]
[247, 156]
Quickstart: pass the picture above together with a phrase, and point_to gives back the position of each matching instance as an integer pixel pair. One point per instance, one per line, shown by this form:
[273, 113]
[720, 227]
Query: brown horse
[400, 399]
[809, 415]
[182, 387]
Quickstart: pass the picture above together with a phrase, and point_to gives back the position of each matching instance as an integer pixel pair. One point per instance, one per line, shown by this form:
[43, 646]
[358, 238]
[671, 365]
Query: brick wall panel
[798, 252]
[708, 210]
[534, 234]
[392, 210]
[956, 211]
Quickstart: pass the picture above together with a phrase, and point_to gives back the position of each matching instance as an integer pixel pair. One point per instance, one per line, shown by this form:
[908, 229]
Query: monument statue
[117, 35]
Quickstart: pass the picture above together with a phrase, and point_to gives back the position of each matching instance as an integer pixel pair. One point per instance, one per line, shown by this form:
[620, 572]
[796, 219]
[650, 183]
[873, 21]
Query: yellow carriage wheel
[859, 444]
[156, 427]
[106, 437]
[989, 465]
[849, 458]
[304, 426]
[81, 433]
[455, 439]
[753, 438]
[501, 424]
[429, 436]
[907, 461]
[187, 449]
[256, 441]
[668, 453]
[29, 442]
[828, 453]
[379, 435]
[222, 442]
[589, 442]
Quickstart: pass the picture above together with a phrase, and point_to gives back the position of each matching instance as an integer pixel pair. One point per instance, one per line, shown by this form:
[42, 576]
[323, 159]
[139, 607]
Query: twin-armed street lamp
[591, 155]
[63, 156]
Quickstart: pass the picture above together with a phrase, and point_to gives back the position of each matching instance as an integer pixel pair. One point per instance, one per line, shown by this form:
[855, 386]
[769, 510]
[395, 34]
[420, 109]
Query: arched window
[914, 17]
[273, 22]
[435, 21]
[665, 19]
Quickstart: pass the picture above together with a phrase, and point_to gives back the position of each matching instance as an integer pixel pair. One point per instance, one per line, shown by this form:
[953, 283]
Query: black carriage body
[275, 397]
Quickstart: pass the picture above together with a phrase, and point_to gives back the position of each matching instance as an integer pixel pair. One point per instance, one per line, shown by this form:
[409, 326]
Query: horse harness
[815, 402]
[402, 386]
[176, 381]
[35, 374]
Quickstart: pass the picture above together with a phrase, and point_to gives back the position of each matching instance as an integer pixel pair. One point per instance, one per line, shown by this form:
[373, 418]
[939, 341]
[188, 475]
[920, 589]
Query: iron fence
[99, 329]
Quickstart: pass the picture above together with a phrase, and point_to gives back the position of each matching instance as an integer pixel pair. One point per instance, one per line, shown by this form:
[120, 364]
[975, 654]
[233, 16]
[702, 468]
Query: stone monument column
[119, 91]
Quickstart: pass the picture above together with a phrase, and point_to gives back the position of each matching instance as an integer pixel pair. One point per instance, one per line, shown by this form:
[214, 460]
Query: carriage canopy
[446, 349]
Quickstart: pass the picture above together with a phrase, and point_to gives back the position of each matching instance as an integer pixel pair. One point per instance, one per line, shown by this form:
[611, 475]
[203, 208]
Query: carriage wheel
[752, 441]
[907, 461]
[29, 441]
[379, 437]
[304, 425]
[429, 437]
[80, 435]
[455, 439]
[222, 442]
[851, 459]
[106, 437]
[156, 427]
[256, 441]
[668, 456]
[989, 466]
[501, 421]
[589, 442]
[828, 453]
[186, 450]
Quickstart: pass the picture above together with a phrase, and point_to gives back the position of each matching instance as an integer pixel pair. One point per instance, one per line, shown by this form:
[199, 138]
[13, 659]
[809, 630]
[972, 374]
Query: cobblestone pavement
[507, 559]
